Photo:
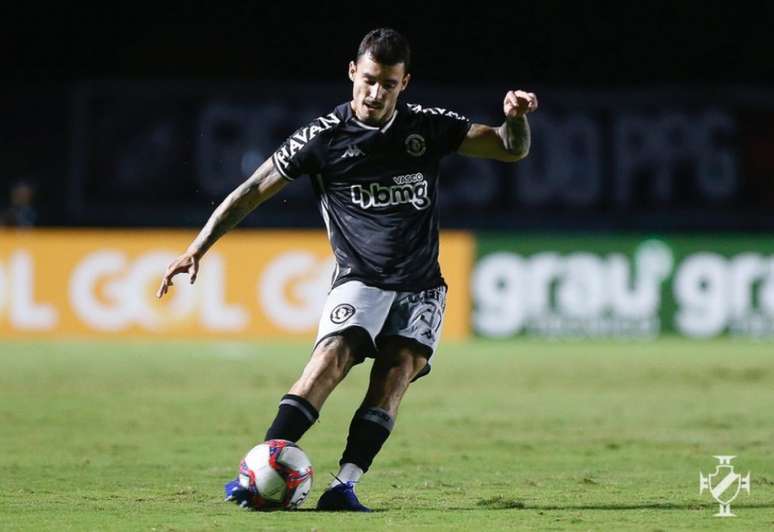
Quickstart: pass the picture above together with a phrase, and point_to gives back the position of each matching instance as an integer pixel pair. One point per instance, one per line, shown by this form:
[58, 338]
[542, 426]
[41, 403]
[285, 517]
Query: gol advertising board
[624, 286]
[252, 284]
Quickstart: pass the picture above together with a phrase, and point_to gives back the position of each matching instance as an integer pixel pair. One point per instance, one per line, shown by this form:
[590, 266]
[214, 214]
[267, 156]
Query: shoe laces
[350, 482]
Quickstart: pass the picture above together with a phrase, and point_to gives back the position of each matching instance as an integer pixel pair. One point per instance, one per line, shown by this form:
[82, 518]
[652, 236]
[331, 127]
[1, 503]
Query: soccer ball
[278, 475]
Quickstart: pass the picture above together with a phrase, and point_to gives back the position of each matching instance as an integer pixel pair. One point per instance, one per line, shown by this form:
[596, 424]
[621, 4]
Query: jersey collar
[382, 129]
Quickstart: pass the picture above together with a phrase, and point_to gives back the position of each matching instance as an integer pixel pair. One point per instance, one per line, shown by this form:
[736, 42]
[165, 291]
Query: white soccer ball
[278, 474]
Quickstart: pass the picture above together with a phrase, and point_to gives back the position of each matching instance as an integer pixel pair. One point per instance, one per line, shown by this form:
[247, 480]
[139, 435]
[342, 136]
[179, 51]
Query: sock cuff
[378, 416]
[301, 404]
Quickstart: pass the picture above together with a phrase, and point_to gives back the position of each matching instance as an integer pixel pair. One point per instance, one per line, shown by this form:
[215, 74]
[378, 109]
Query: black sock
[294, 417]
[368, 431]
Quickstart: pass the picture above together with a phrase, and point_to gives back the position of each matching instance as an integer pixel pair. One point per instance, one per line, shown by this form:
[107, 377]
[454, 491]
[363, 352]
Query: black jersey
[378, 190]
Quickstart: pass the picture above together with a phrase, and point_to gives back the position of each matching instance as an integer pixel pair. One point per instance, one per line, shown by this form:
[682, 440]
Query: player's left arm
[510, 142]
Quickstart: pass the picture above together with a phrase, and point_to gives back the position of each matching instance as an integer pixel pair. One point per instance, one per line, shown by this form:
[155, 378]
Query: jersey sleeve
[303, 152]
[448, 128]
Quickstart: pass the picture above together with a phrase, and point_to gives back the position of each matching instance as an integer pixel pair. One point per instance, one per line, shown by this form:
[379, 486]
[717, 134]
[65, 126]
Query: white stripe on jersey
[324, 204]
[326, 219]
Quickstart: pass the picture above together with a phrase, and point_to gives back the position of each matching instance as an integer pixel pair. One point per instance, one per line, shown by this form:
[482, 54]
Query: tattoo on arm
[516, 136]
[259, 187]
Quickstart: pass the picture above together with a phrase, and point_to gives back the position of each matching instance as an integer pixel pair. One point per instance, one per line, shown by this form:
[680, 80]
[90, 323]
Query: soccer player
[373, 163]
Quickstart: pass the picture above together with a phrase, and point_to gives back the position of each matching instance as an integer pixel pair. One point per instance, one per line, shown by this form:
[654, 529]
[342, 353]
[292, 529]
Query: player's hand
[519, 103]
[187, 262]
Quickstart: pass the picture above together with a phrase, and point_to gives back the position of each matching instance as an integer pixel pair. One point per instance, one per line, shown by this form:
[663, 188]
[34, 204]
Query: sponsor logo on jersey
[352, 151]
[409, 189]
[342, 313]
[435, 111]
[301, 138]
[416, 145]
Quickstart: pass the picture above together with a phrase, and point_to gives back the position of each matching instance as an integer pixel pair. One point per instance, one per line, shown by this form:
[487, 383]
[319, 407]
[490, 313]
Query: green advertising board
[630, 286]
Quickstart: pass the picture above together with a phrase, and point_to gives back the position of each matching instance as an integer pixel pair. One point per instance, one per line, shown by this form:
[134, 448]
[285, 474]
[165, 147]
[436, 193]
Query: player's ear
[405, 82]
[352, 70]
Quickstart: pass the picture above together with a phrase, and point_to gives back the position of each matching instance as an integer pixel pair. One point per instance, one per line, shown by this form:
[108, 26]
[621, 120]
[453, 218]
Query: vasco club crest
[342, 313]
[724, 484]
[416, 145]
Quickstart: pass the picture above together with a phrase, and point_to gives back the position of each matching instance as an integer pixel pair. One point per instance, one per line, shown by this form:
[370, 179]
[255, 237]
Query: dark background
[79, 82]
[580, 44]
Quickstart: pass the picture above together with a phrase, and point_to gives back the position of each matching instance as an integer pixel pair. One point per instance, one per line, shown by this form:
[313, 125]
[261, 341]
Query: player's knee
[414, 365]
[332, 359]
[411, 362]
[402, 359]
[338, 353]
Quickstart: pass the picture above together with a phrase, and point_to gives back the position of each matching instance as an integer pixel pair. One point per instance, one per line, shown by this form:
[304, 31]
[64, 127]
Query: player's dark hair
[386, 46]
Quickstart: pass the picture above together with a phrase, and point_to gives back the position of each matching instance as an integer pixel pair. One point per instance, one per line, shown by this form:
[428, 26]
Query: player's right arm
[265, 182]
[511, 141]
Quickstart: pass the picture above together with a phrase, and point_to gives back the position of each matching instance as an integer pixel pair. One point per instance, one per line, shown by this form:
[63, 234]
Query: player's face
[375, 89]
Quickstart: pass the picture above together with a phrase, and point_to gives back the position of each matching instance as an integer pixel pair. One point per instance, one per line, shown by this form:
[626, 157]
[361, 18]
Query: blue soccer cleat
[237, 494]
[341, 498]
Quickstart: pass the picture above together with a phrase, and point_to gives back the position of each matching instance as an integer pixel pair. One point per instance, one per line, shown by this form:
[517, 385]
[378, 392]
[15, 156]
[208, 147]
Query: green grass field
[503, 435]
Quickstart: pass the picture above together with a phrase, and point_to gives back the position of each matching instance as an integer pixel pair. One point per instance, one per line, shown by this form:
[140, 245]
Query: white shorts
[382, 313]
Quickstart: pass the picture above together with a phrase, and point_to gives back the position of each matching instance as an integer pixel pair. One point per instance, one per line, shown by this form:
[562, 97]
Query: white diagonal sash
[718, 490]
